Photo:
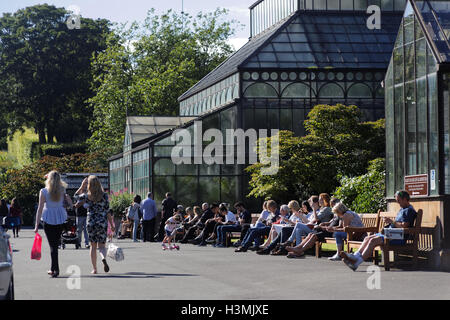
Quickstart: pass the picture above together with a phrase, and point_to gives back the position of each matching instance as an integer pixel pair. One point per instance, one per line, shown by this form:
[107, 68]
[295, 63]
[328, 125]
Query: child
[171, 224]
[110, 233]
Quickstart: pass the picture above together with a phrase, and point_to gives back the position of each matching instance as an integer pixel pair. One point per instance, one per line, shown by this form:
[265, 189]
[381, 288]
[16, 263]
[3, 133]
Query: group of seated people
[289, 229]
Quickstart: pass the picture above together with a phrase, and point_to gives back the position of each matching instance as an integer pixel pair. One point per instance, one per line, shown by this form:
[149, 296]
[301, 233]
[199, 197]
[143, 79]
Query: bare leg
[293, 249]
[373, 243]
[94, 257]
[102, 250]
[308, 243]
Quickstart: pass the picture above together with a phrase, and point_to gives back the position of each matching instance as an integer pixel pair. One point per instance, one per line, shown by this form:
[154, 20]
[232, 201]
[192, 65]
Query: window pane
[209, 189]
[260, 90]
[186, 190]
[410, 104]
[359, 90]
[161, 186]
[164, 167]
[422, 126]
[331, 90]
[229, 190]
[433, 124]
[398, 65]
[399, 134]
[421, 56]
[286, 119]
[296, 90]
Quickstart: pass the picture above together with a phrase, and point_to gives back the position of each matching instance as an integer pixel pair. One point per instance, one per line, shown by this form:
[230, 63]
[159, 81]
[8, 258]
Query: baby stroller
[70, 235]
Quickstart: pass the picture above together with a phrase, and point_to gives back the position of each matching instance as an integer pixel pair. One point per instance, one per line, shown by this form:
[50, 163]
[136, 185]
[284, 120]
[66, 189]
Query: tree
[338, 144]
[365, 193]
[146, 67]
[45, 72]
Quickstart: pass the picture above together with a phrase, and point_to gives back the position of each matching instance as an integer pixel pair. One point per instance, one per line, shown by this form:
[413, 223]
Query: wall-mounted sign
[433, 180]
[417, 186]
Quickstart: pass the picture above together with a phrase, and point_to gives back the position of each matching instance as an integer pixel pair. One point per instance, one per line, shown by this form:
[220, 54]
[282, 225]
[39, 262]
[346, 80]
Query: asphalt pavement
[208, 273]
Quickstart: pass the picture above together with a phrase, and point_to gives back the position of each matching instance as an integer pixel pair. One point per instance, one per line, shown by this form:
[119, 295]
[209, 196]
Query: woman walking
[53, 214]
[134, 214]
[97, 203]
[15, 213]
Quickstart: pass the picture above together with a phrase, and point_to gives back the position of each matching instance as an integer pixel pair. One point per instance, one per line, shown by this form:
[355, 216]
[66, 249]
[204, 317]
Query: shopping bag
[36, 250]
[115, 253]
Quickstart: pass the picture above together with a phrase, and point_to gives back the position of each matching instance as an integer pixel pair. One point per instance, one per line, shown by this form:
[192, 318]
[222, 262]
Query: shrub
[119, 201]
[366, 193]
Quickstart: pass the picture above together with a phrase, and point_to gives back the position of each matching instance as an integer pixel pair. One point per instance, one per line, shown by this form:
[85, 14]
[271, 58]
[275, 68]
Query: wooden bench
[370, 222]
[237, 235]
[412, 245]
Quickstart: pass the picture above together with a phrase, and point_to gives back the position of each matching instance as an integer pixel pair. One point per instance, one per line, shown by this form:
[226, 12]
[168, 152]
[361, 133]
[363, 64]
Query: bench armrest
[412, 230]
[360, 230]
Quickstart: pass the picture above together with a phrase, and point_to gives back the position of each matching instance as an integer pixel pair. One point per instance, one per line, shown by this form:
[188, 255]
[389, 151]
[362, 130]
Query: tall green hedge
[21, 145]
[57, 150]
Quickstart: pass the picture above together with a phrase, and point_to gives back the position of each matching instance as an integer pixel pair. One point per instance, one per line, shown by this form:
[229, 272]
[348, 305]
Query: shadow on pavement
[134, 275]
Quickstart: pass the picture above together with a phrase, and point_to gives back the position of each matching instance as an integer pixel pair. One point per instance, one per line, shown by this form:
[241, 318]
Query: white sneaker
[336, 257]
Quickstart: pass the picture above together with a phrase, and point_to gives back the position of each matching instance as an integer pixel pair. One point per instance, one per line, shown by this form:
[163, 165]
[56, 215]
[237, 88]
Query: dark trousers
[190, 233]
[148, 229]
[244, 231]
[53, 233]
[254, 235]
[281, 237]
[162, 225]
[209, 228]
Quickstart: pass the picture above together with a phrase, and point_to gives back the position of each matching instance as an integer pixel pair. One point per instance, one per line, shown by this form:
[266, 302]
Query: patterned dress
[97, 222]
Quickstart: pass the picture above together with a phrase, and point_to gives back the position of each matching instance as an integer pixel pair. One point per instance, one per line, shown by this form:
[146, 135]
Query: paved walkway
[210, 273]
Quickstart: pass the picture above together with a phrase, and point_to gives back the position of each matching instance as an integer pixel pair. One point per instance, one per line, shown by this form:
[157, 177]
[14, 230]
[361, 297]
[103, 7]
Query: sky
[131, 10]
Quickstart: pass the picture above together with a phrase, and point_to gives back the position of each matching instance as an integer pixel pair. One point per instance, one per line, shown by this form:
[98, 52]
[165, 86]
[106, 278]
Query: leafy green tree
[338, 144]
[365, 193]
[45, 72]
[147, 66]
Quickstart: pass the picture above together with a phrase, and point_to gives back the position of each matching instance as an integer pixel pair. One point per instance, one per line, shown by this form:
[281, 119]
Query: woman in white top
[51, 210]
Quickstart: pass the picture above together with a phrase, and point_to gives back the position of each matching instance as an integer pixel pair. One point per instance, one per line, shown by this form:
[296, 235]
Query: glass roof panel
[337, 40]
[436, 16]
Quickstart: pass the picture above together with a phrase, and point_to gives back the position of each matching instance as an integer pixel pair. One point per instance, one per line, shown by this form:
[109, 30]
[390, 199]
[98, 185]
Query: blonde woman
[51, 209]
[96, 201]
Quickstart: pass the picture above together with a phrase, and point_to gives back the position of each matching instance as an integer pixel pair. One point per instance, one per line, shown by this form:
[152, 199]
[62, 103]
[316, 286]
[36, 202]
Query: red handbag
[37, 246]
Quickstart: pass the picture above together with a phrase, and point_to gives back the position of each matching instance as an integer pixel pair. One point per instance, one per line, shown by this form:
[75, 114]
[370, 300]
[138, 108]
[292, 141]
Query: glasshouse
[418, 114]
[300, 53]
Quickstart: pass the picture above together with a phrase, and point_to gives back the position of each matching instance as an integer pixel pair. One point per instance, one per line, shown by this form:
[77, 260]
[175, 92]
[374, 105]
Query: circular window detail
[255, 76]
[265, 76]
[379, 76]
[292, 76]
[340, 76]
[350, 76]
[359, 76]
[331, 76]
[369, 76]
[321, 76]
[284, 76]
[274, 76]
[246, 76]
[303, 76]
[313, 76]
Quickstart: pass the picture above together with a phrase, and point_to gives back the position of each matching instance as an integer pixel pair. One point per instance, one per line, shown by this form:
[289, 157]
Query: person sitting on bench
[405, 219]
